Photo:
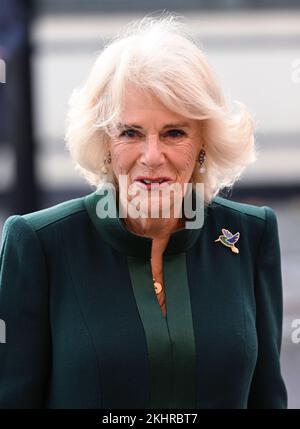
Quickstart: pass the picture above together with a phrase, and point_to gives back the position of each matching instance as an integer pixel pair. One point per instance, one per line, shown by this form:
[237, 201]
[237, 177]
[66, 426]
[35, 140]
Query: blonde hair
[159, 55]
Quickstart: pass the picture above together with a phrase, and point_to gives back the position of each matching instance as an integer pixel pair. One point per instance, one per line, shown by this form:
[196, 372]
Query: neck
[158, 229]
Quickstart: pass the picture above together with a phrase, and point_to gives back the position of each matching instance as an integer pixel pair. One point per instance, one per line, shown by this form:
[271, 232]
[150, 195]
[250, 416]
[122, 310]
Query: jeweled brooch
[229, 239]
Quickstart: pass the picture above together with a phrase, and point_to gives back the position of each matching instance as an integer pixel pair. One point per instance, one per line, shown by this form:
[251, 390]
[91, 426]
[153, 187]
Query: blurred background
[47, 48]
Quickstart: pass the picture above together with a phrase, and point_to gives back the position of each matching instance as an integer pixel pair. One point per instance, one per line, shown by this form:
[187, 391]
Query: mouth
[153, 182]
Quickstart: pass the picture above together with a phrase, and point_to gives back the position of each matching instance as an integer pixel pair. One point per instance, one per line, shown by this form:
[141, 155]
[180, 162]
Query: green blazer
[84, 328]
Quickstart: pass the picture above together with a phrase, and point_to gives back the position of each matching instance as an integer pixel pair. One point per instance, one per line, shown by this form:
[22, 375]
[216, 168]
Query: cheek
[184, 158]
[123, 158]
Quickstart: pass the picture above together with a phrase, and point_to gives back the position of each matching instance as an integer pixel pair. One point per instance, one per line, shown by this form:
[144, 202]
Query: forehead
[141, 107]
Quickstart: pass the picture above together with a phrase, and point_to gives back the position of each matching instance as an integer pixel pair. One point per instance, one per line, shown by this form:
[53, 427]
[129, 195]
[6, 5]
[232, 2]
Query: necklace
[157, 286]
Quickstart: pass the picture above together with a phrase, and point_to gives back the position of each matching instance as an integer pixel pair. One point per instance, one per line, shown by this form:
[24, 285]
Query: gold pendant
[228, 239]
[157, 286]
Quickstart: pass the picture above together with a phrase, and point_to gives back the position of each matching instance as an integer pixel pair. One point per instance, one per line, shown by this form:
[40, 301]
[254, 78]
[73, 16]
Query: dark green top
[84, 328]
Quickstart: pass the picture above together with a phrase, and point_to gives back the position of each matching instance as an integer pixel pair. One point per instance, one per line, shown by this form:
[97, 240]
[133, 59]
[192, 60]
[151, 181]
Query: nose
[152, 155]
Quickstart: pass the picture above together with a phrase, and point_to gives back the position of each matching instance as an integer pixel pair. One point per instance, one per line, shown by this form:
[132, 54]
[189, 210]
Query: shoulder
[238, 208]
[27, 225]
[247, 213]
[43, 218]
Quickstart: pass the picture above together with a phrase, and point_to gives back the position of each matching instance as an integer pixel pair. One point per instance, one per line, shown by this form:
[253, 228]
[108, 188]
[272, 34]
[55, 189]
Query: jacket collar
[115, 233]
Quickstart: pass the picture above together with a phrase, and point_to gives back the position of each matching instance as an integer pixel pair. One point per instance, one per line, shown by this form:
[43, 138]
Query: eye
[175, 133]
[130, 133]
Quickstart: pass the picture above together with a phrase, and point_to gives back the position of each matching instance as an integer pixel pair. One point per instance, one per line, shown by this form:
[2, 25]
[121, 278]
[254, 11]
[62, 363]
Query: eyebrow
[139, 127]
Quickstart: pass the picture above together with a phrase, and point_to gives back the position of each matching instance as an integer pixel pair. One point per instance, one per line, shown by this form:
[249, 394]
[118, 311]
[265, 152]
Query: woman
[129, 311]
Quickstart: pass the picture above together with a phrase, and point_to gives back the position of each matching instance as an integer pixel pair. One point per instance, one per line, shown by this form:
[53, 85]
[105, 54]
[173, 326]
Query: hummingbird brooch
[229, 239]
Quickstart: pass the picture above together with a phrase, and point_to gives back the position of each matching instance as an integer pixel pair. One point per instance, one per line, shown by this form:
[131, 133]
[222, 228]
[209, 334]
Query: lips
[149, 183]
[149, 180]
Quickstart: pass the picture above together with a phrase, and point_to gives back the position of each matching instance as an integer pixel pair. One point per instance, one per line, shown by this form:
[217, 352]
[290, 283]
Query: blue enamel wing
[228, 239]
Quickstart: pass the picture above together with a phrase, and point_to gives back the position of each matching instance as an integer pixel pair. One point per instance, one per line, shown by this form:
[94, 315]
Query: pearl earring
[107, 160]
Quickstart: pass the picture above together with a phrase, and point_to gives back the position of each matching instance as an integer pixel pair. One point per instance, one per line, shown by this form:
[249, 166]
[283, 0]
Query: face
[153, 143]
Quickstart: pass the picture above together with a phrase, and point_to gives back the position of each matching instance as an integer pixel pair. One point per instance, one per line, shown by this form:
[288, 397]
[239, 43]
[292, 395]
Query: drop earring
[107, 160]
[201, 160]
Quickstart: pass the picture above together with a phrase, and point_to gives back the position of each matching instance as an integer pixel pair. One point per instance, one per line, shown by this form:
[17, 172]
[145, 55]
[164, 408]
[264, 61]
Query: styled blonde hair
[159, 56]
